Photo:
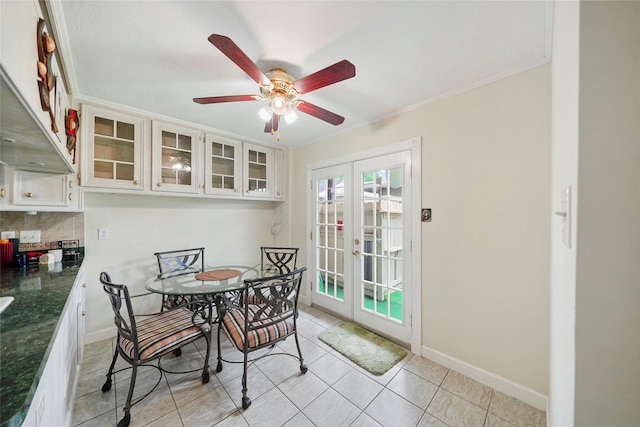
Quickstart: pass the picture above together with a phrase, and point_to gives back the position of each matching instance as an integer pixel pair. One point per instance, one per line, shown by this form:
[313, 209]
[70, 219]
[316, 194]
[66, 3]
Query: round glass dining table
[213, 280]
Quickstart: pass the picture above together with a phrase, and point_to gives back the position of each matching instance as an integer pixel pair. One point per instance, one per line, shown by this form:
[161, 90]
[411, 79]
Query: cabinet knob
[1, 192]
[83, 313]
[84, 285]
[70, 184]
[70, 196]
[136, 182]
[159, 184]
[27, 194]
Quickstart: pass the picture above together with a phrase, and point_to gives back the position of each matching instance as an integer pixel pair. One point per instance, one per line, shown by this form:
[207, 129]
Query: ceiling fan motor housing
[281, 86]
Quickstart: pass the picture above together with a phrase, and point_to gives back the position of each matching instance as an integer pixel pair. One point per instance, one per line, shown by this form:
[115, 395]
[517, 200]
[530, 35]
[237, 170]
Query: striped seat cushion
[167, 330]
[233, 327]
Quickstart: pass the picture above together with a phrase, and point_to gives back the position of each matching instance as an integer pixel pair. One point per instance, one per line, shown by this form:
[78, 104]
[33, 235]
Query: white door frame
[415, 146]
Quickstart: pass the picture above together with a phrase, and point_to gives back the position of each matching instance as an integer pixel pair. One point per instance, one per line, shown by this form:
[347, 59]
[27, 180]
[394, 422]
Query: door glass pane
[330, 246]
[381, 234]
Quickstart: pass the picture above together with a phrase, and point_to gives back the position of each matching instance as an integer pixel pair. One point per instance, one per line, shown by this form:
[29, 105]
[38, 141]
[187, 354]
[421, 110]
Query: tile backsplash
[53, 226]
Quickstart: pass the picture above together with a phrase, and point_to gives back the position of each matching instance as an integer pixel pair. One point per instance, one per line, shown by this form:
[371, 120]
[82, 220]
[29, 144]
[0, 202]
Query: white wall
[565, 97]
[607, 379]
[230, 231]
[485, 257]
[595, 349]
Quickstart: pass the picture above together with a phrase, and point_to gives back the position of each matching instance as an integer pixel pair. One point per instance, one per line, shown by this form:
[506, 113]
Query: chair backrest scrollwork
[282, 259]
[180, 261]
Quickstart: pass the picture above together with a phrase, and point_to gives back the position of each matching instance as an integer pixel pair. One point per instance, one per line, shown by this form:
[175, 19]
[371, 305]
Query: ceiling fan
[280, 88]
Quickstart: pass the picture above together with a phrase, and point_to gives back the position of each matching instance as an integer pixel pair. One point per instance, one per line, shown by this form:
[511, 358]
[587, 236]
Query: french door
[361, 226]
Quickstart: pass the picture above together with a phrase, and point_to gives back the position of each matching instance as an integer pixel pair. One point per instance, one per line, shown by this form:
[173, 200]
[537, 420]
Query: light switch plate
[103, 234]
[8, 235]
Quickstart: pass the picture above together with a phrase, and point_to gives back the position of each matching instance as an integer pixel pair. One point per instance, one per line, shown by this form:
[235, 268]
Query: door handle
[356, 253]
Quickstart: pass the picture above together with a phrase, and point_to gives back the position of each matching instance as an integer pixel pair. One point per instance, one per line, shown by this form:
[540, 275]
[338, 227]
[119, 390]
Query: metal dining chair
[271, 319]
[177, 262]
[280, 258]
[276, 260]
[143, 340]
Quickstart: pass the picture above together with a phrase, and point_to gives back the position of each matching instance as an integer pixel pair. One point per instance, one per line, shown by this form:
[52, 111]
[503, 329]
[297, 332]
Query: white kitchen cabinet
[27, 191]
[258, 171]
[18, 45]
[53, 401]
[123, 151]
[223, 171]
[112, 149]
[175, 156]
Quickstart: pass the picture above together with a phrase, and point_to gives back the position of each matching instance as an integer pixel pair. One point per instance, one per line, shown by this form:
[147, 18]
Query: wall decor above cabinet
[47, 79]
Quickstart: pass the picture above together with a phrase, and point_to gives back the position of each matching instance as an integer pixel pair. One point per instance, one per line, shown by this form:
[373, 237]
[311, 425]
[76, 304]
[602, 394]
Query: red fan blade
[217, 99]
[233, 52]
[327, 76]
[320, 113]
[272, 125]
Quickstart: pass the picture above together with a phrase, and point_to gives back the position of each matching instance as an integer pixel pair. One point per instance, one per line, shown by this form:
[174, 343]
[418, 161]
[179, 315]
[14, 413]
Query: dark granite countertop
[27, 328]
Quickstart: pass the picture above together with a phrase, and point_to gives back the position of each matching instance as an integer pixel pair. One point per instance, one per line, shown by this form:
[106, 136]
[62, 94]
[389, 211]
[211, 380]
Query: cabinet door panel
[176, 158]
[38, 189]
[258, 171]
[112, 149]
[222, 166]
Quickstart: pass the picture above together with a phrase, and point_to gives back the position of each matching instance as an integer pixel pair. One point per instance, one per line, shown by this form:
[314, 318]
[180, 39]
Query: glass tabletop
[213, 280]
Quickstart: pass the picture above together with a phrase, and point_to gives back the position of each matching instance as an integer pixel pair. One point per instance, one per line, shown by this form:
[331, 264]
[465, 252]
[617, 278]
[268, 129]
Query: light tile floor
[334, 392]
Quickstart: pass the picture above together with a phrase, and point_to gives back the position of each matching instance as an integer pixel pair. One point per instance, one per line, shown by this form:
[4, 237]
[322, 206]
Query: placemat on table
[221, 274]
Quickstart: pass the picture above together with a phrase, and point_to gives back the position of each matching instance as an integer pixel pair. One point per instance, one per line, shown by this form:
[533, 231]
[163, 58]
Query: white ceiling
[155, 56]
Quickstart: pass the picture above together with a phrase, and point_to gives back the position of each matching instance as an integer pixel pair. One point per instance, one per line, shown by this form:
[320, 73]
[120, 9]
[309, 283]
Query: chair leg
[205, 369]
[303, 367]
[246, 402]
[219, 366]
[107, 384]
[124, 422]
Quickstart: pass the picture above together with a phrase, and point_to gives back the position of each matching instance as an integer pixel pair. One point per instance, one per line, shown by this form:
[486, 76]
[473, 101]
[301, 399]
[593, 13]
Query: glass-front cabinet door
[258, 171]
[222, 166]
[175, 158]
[112, 149]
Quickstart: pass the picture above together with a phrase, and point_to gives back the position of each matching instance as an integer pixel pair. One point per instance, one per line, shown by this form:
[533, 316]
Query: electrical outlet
[103, 234]
[8, 235]
[29, 236]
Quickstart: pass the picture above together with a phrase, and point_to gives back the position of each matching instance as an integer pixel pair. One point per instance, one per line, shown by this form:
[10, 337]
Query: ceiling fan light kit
[280, 88]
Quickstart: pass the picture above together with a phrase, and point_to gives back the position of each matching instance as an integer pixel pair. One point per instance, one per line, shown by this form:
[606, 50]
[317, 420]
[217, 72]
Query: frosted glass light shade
[290, 115]
[265, 113]
[278, 105]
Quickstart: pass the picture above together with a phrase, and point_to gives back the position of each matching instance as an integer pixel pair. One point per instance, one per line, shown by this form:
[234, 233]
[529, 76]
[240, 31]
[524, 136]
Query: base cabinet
[53, 400]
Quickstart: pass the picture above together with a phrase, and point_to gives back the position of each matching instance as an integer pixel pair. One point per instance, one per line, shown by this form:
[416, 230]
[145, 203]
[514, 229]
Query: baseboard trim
[503, 385]
[103, 334]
